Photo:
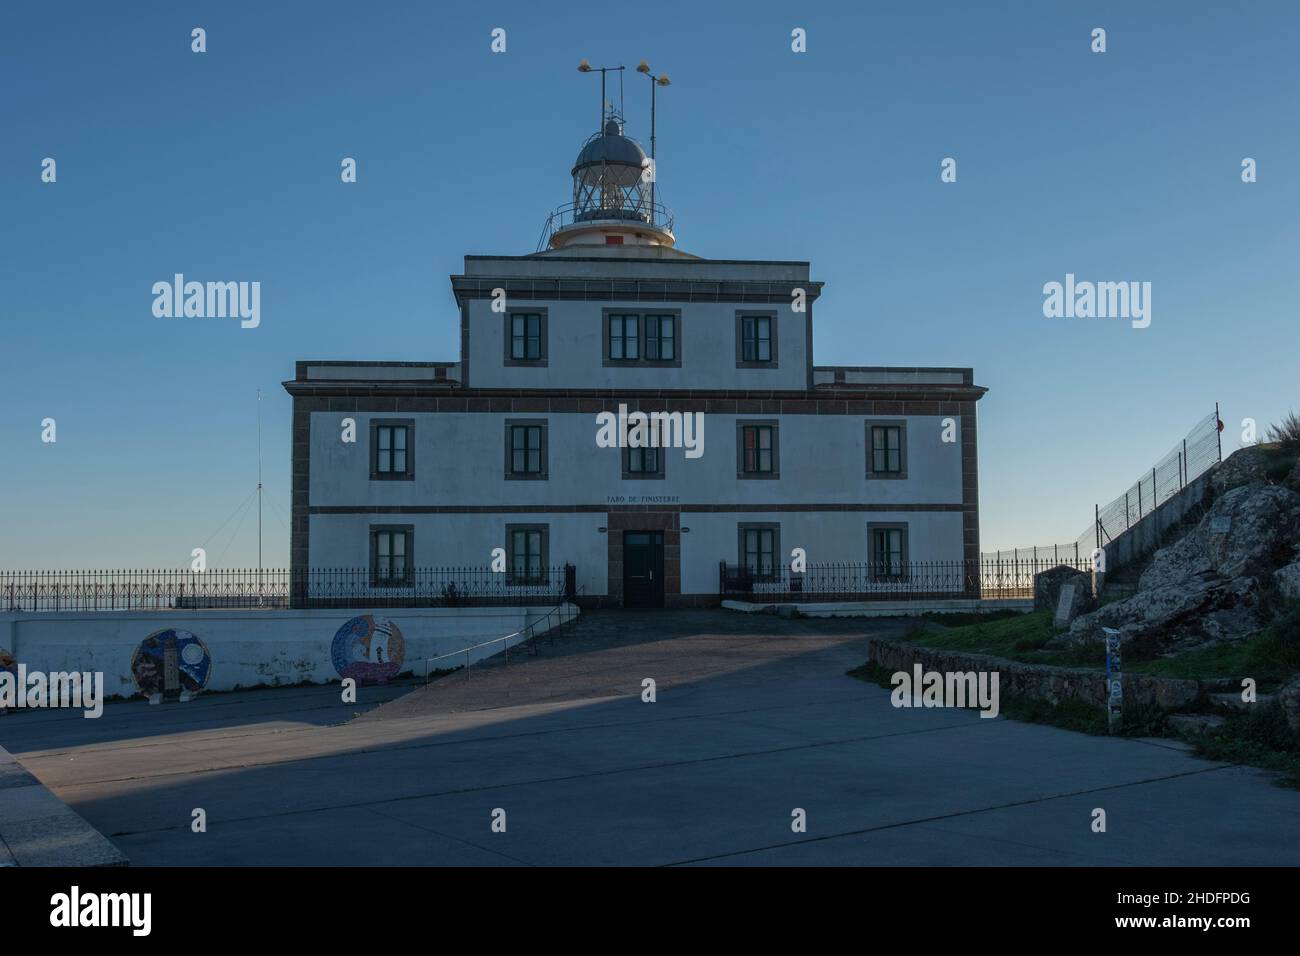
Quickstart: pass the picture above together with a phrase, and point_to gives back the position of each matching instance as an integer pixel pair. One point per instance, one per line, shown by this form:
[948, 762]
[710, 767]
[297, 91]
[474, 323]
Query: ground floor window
[888, 550]
[759, 547]
[526, 548]
[390, 556]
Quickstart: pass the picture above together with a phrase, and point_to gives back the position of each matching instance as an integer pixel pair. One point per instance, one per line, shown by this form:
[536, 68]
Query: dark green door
[643, 569]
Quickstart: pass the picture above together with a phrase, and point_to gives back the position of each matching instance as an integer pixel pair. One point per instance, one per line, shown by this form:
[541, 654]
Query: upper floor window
[525, 336]
[526, 448]
[757, 453]
[660, 338]
[643, 462]
[887, 449]
[643, 338]
[391, 449]
[390, 555]
[624, 338]
[756, 340]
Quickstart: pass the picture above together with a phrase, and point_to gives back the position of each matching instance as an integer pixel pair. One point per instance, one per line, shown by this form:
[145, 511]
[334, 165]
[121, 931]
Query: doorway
[643, 569]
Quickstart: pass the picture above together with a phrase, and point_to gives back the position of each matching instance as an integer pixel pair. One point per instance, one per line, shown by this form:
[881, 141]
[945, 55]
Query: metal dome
[610, 146]
[613, 190]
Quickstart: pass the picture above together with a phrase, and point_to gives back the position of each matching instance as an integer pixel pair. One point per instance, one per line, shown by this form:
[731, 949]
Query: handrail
[497, 640]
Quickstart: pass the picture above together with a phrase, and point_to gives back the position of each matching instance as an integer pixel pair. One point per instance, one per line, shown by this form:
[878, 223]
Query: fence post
[1155, 491]
[1218, 430]
[570, 582]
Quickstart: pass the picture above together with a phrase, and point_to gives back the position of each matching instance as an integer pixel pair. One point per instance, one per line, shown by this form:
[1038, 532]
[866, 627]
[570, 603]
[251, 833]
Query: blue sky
[1116, 166]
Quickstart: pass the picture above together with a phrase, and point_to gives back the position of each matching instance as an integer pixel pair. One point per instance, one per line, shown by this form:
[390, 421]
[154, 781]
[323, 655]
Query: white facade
[499, 449]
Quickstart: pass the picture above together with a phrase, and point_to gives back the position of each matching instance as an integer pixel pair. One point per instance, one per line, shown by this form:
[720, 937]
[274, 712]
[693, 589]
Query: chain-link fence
[1186, 461]
[1070, 553]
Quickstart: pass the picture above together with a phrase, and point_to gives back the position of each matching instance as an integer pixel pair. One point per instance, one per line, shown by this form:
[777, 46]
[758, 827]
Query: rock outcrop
[1205, 587]
[1292, 480]
[1240, 468]
[1287, 580]
[1289, 698]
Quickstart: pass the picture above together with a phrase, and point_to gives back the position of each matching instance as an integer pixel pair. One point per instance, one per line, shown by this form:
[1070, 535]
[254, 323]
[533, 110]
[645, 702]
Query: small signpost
[1114, 681]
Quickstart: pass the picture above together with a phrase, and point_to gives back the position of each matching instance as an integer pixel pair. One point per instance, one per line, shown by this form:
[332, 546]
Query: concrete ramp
[39, 829]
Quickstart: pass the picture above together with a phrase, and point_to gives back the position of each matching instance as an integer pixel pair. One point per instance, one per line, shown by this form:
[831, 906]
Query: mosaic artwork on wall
[171, 663]
[368, 651]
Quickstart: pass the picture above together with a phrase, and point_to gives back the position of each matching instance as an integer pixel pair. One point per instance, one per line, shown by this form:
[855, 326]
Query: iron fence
[1196, 454]
[275, 588]
[914, 580]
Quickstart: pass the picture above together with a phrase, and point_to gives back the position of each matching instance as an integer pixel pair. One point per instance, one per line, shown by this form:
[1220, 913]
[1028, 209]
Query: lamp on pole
[655, 83]
[585, 67]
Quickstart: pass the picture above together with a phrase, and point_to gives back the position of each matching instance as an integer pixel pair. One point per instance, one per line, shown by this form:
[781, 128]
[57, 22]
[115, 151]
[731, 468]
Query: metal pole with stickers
[1114, 681]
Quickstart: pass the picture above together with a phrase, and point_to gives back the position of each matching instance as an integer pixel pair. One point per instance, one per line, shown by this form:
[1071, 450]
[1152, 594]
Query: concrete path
[754, 717]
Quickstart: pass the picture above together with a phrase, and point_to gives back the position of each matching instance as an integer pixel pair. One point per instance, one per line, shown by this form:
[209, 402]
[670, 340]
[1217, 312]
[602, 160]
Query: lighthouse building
[732, 453]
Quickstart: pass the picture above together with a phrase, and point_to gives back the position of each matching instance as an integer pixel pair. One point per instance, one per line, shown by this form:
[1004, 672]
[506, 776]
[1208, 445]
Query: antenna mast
[655, 83]
[585, 67]
[259, 490]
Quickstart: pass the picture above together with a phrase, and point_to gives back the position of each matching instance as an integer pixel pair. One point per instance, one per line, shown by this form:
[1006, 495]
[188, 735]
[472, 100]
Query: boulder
[1192, 725]
[1248, 531]
[1074, 598]
[1289, 698]
[1205, 587]
[1241, 467]
[1287, 579]
[1203, 610]
[1292, 480]
[1047, 585]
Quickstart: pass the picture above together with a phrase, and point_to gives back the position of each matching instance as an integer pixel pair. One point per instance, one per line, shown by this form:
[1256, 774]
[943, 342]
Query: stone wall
[1036, 681]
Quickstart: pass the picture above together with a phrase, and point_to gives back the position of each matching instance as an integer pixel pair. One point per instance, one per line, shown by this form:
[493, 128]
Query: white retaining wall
[250, 648]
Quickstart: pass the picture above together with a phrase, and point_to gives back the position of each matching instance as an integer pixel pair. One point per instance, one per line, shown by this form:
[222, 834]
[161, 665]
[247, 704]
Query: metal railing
[271, 588]
[567, 605]
[898, 581]
[653, 215]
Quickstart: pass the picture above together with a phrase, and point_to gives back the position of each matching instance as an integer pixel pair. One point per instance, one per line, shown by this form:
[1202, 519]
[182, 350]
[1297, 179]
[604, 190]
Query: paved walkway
[754, 718]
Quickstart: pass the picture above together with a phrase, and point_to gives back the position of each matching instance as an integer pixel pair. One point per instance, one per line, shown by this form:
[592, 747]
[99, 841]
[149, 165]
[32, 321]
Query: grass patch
[1271, 658]
[1017, 637]
[962, 618]
[1258, 738]
[1279, 459]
